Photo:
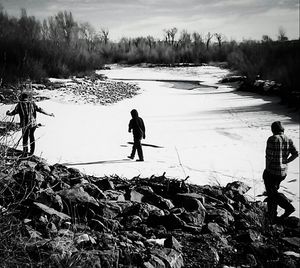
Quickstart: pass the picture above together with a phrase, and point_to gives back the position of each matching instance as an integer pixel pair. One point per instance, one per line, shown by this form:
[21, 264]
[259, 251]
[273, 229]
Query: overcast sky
[236, 19]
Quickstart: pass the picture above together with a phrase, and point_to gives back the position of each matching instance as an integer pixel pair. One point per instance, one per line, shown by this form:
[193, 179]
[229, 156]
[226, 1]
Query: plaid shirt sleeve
[292, 148]
[37, 108]
[272, 149]
[16, 110]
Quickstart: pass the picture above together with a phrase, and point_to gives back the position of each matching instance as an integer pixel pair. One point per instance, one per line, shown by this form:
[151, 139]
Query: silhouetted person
[27, 110]
[280, 151]
[136, 124]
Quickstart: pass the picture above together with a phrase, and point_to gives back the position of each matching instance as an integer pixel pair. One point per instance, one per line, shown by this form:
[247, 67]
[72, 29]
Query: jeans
[272, 184]
[28, 132]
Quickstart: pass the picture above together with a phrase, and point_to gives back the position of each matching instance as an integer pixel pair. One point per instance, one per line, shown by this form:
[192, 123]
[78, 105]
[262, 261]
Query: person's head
[24, 96]
[277, 128]
[134, 113]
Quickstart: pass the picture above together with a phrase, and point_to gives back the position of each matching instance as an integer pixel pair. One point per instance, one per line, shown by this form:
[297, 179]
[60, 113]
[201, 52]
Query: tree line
[59, 46]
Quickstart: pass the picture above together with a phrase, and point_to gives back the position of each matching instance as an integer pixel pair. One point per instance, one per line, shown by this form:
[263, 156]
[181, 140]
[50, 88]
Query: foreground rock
[68, 218]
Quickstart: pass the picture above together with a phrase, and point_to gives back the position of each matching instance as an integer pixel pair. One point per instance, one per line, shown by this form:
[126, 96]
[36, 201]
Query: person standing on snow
[27, 109]
[280, 151]
[136, 124]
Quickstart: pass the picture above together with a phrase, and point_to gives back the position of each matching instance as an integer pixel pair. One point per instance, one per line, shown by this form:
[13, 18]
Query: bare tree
[105, 33]
[167, 35]
[66, 25]
[185, 38]
[88, 33]
[170, 35]
[30, 27]
[45, 30]
[265, 38]
[173, 32]
[125, 44]
[282, 34]
[219, 37]
[209, 36]
[53, 31]
[197, 38]
[150, 41]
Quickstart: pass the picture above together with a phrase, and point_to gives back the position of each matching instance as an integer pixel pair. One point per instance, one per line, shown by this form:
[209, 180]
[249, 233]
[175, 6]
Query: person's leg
[139, 150]
[271, 189]
[133, 150]
[25, 134]
[32, 140]
[284, 202]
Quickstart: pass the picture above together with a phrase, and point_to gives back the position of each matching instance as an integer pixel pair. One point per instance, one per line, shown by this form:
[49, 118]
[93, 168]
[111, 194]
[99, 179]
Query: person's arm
[143, 128]
[14, 111]
[40, 110]
[130, 126]
[293, 152]
[292, 158]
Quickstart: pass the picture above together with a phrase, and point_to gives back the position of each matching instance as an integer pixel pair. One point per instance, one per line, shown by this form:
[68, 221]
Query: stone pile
[88, 90]
[94, 89]
[159, 222]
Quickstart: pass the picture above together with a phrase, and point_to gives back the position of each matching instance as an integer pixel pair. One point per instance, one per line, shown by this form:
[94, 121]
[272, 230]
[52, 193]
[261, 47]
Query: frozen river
[207, 131]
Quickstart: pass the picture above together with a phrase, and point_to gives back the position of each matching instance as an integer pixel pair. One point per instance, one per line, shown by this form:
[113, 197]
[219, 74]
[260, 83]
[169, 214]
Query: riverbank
[265, 88]
[211, 133]
[52, 215]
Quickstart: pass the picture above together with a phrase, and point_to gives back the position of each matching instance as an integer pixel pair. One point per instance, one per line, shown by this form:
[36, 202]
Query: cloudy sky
[236, 19]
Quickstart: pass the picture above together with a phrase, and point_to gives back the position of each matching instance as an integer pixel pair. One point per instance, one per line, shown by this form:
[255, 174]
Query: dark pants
[272, 184]
[28, 132]
[137, 146]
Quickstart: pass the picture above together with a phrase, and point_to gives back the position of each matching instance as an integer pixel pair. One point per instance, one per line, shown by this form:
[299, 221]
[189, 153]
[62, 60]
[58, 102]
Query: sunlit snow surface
[208, 132]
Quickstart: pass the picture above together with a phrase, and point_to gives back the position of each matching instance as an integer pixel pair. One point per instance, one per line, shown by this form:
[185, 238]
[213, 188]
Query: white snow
[212, 135]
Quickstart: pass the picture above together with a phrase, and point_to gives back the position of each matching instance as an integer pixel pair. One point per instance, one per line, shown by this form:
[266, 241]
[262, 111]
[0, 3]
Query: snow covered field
[211, 134]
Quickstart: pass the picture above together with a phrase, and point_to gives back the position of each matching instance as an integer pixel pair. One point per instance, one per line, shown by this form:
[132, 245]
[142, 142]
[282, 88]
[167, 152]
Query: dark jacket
[136, 124]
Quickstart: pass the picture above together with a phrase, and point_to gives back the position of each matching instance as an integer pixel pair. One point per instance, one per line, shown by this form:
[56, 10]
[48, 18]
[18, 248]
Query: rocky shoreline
[55, 216]
[93, 89]
[264, 87]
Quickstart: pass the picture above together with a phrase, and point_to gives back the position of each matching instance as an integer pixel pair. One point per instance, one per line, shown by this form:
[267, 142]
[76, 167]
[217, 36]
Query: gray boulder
[93, 190]
[51, 211]
[115, 195]
[49, 198]
[78, 196]
[154, 199]
[220, 216]
[172, 242]
[170, 257]
[238, 186]
[104, 184]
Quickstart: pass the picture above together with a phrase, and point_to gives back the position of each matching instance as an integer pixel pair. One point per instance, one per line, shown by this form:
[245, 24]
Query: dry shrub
[12, 247]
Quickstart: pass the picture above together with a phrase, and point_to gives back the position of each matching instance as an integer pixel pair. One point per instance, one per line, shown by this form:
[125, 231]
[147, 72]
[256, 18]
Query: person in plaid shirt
[27, 110]
[280, 151]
